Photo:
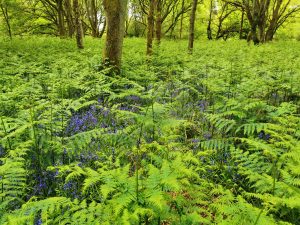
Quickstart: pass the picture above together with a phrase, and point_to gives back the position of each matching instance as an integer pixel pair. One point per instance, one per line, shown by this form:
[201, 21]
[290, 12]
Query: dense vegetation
[208, 138]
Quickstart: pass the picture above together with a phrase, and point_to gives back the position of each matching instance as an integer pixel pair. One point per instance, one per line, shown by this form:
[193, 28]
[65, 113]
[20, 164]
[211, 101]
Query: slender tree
[192, 26]
[4, 10]
[181, 19]
[158, 21]
[150, 27]
[242, 24]
[209, 30]
[115, 11]
[69, 17]
[78, 24]
[61, 23]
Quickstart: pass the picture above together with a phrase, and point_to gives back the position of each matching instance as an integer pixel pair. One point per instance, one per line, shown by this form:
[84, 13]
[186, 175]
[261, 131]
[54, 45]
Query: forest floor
[207, 138]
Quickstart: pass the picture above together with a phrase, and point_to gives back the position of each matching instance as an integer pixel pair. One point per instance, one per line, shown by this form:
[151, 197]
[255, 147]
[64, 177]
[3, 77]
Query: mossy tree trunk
[181, 19]
[78, 24]
[158, 21]
[115, 11]
[209, 30]
[69, 17]
[150, 27]
[61, 22]
[192, 26]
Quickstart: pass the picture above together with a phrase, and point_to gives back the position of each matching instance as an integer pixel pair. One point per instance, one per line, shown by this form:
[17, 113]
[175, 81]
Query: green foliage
[208, 138]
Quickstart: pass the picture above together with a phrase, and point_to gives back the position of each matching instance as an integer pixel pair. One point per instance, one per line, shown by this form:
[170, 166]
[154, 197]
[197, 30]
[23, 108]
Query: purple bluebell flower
[261, 135]
[133, 98]
[2, 151]
[68, 185]
[38, 222]
[202, 104]
[207, 136]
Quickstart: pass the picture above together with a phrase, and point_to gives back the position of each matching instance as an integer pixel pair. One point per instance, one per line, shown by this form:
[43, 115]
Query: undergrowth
[208, 138]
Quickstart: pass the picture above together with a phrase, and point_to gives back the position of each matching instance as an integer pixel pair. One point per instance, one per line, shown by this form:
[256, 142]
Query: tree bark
[209, 32]
[181, 20]
[115, 11]
[192, 26]
[61, 25]
[78, 24]
[273, 23]
[158, 21]
[92, 15]
[103, 29]
[242, 25]
[69, 18]
[150, 27]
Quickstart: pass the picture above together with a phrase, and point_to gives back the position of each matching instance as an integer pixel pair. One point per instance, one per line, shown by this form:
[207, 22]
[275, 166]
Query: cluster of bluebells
[95, 116]
[38, 221]
[44, 182]
[71, 189]
[207, 136]
[202, 104]
[132, 104]
[85, 158]
[195, 143]
[2, 151]
[81, 122]
[263, 136]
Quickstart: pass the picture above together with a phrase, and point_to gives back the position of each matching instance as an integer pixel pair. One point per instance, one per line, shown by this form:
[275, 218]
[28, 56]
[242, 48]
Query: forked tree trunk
[150, 27]
[115, 11]
[273, 23]
[192, 26]
[78, 24]
[92, 15]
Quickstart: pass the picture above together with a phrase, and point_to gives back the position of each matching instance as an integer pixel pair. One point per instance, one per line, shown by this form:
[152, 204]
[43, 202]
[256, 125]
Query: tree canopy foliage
[224, 18]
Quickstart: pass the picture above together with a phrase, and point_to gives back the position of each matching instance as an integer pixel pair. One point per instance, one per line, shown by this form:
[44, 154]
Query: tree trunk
[69, 18]
[91, 10]
[192, 26]
[273, 23]
[103, 29]
[209, 32]
[61, 25]
[78, 24]
[252, 13]
[158, 21]
[150, 27]
[6, 18]
[115, 11]
[242, 25]
[181, 20]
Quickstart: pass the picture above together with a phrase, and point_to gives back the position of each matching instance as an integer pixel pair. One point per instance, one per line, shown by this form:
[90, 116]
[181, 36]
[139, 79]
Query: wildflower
[202, 104]
[261, 135]
[38, 222]
[2, 151]
[207, 136]
[264, 136]
[133, 98]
